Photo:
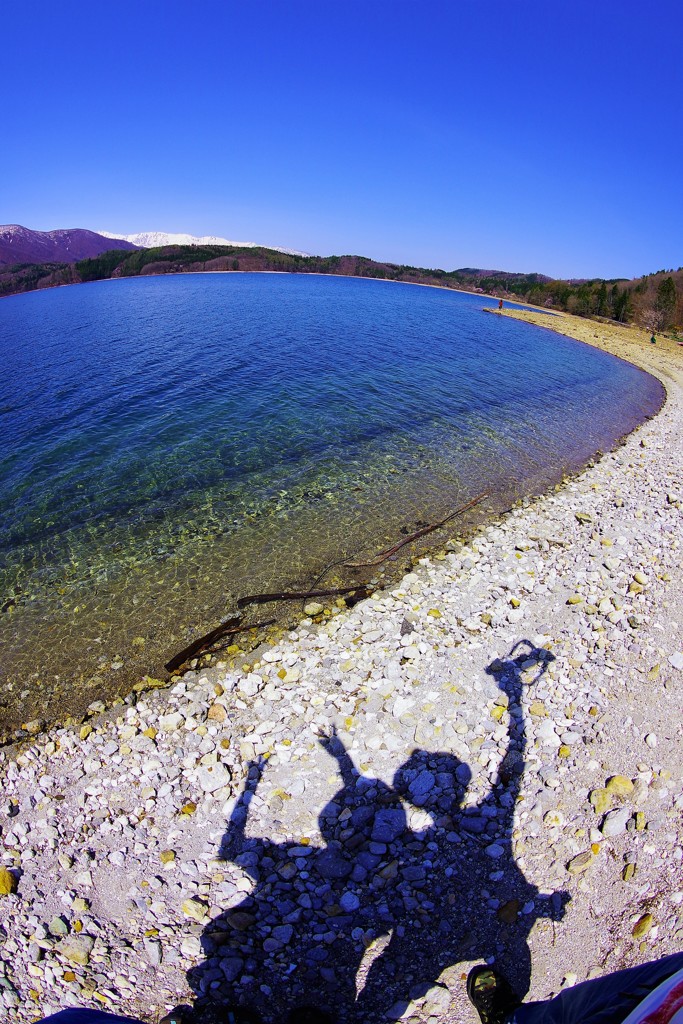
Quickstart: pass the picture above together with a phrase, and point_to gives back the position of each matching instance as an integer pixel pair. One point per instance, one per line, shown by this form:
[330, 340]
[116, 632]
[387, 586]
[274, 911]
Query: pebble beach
[483, 762]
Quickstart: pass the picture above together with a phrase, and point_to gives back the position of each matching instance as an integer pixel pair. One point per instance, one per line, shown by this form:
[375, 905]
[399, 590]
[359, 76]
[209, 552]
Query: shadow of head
[433, 779]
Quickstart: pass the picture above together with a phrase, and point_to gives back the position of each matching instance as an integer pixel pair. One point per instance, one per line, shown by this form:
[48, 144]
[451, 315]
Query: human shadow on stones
[367, 922]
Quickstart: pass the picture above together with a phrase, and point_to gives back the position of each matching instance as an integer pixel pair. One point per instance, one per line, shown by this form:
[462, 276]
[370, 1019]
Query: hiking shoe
[491, 994]
[181, 1015]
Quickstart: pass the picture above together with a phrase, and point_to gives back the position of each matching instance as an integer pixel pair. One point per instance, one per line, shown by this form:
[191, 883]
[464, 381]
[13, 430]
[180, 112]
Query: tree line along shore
[654, 302]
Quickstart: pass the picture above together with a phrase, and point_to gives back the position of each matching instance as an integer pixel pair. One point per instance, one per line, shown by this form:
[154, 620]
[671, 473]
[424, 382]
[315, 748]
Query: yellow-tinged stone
[8, 882]
[217, 713]
[167, 856]
[69, 976]
[348, 722]
[85, 731]
[282, 673]
[34, 995]
[574, 599]
[138, 641]
[154, 684]
[640, 821]
[80, 905]
[654, 672]
[601, 800]
[304, 841]
[233, 649]
[553, 819]
[508, 911]
[606, 542]
[640, 577]
[578, 864]
[435, 613]
[78, 926]
[390, 871]
[593, 711]
[194, 909]
[619, 786]
[564, 751]
[537, 709]
[150, 733]
[635, 588]
[151, 932]
[642, 926]
[628, 872]
[515, 602]
[189, 808]
[595, 848]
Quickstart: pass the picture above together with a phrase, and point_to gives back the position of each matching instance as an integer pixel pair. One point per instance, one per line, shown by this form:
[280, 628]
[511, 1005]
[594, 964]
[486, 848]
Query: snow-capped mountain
[152, 239]
[65, 245]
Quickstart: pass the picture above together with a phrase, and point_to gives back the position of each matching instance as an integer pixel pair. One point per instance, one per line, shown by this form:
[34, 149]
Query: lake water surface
[170, 444]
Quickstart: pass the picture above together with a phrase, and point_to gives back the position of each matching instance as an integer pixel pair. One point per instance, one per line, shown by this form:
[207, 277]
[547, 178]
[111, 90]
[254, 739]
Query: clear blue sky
[509, 134]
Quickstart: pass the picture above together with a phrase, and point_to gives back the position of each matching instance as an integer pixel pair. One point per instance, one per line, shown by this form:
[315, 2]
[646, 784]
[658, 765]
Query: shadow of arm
[234, 837]
[336, 749]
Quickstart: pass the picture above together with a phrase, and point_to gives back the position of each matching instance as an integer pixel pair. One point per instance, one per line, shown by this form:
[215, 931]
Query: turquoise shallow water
[169, 444]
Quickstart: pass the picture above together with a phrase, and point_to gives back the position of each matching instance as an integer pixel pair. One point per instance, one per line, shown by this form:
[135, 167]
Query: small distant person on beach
[500, 303]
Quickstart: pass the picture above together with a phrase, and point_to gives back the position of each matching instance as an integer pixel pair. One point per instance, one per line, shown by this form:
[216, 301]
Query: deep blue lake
[172, 443]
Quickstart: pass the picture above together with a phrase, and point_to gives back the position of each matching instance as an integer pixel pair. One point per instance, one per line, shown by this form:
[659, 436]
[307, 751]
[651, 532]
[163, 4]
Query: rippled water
[170, 444]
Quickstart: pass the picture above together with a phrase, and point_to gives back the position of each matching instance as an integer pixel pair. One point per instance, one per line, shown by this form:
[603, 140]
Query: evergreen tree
[601, 306]
[665, 302]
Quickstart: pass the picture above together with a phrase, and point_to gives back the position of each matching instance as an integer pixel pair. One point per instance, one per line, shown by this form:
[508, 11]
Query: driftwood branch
[213, 649]
[230, 626]
[383, 555]
[358, 592]
[294, 595]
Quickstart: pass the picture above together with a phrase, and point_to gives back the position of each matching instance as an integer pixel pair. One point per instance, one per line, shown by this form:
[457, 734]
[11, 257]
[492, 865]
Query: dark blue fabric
[607, 1000]
[76, 1015]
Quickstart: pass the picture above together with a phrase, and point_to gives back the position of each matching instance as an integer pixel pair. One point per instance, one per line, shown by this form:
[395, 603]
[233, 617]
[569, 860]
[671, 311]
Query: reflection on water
[170, 444]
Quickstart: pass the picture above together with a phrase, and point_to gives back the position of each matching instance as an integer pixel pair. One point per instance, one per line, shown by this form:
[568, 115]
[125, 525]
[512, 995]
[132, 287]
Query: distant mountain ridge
[64, 245]
[654, 301]
[154, 239]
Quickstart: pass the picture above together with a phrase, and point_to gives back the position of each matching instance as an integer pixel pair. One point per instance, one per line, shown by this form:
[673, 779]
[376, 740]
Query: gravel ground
[484, 762]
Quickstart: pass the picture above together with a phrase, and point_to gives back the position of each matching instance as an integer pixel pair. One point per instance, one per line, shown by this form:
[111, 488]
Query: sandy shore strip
[485, 761]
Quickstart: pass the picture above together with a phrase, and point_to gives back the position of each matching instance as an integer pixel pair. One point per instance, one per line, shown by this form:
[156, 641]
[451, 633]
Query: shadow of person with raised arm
[264, 952]
[302, 932]
[463, 895]
[437, 887]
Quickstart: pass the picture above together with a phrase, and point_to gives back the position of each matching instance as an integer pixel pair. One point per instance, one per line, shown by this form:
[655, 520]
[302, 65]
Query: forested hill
[658, 297]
